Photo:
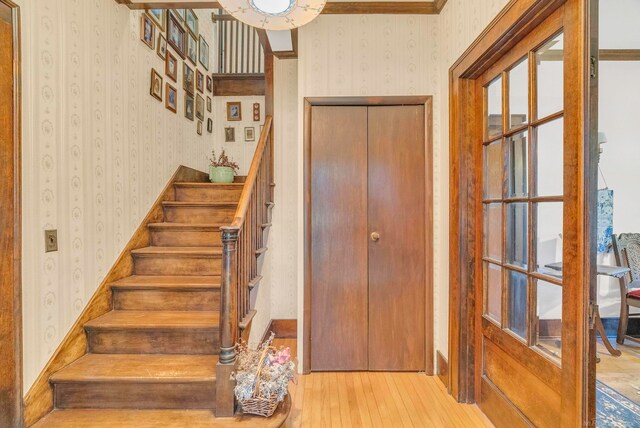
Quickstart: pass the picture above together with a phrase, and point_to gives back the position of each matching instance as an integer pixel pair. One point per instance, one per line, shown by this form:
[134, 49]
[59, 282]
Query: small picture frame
[171, 67]
[171, 99]
[249, 133]
[199, 81]
[180, 13]
[162, 46]
[147, 31]
[209, 102]
[191, 19]
[192, 49]
[234, 111]
[199, 127]
[189, 106]
[159, 16]
[256, 112]
[209, 125]
[209, 84]
[176, 35]
[188, 79]
[204, 53]
[199, 107]
[229, 134]
[156, 85]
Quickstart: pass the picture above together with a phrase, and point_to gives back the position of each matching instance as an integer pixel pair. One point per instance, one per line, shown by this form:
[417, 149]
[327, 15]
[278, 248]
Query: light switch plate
[50, 241]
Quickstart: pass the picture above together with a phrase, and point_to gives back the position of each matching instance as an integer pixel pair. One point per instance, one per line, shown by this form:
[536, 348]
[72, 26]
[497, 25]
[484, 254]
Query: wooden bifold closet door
[368, 238]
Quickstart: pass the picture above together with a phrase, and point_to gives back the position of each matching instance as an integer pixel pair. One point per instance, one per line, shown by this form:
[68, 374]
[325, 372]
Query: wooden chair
[626, 248]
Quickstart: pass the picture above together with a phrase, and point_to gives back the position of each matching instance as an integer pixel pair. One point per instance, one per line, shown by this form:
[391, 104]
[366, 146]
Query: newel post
[225, 399]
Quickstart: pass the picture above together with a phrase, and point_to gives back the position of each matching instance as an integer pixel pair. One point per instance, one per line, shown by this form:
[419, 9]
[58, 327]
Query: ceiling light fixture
[274, 14]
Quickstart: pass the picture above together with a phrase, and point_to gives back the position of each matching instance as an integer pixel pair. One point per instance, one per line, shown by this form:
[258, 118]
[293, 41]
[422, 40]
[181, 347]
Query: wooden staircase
[156, 355]
[157, 348]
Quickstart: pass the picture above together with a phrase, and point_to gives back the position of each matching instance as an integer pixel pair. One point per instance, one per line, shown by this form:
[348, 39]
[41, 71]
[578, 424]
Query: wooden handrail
[242, 244]
[250, 183]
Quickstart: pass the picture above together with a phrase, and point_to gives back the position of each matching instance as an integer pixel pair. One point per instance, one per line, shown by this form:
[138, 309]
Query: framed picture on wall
[147, 31]
[199, 127]
[162, 46]
[159, 16]
[171, 67]
[180, 13]
[191, 20]
[209, 104]
[176, 35]
[204, 53]
[188, 106]
[250, 133]
[229, 134]
[156, 85]
[188, 79]
[234, 111]
[199, 107]
[209, 125]
[192, 49]
[199, 81]
[171, 100]
[209, 84]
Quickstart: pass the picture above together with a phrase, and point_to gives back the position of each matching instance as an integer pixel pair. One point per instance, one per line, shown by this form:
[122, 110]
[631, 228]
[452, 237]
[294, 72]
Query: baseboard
[283, 329]
[39, 400]
[442, 368]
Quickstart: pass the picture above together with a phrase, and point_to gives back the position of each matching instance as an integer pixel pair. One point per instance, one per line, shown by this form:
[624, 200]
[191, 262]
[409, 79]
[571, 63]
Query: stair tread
[207, 251]
[125, 418]
[208, 184]
[166, 281]
[169, 225]
[198, 204]
[139, 368]
[150, 320]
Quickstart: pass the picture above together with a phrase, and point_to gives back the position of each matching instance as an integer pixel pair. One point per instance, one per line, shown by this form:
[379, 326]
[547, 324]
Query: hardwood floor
[620, 373]
[375, 399]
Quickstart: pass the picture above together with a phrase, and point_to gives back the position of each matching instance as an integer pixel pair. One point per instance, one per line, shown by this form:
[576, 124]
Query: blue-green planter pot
[221, 174]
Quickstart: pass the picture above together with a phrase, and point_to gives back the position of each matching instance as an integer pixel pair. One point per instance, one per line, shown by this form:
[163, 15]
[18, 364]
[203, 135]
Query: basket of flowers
[262, 377]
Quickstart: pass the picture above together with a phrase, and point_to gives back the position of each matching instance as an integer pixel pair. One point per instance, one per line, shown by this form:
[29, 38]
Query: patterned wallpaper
[97, 151]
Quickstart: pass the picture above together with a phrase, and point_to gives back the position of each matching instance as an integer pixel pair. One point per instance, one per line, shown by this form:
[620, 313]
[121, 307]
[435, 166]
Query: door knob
[375, 236]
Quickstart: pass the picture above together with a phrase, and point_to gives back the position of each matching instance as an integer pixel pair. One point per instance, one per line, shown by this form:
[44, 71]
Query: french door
[521, 228]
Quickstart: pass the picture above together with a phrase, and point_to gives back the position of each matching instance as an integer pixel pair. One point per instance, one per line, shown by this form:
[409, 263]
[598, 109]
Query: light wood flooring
[620, 373]
[376, 399]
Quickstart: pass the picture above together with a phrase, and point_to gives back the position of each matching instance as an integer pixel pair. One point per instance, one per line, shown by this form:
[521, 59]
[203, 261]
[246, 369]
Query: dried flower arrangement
[222, 160]
[262, 377]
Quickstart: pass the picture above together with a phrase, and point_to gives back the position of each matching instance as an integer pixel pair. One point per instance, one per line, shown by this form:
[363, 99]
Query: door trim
[427, 102]
[513, 23]
[11, 326]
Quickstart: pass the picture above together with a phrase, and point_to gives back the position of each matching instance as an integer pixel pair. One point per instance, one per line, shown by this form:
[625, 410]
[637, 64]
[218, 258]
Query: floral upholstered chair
[626, 248]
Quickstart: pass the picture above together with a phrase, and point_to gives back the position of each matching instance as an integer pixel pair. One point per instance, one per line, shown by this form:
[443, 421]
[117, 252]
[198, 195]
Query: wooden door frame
[11, 291]
[513, 23]
[427, 102]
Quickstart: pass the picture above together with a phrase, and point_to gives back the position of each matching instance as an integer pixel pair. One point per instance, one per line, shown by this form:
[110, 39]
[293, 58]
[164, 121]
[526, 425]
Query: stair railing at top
[239, 50]
[242, 244]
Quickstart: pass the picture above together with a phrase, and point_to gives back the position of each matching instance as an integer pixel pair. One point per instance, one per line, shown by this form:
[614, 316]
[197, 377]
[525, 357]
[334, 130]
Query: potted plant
[222, 169]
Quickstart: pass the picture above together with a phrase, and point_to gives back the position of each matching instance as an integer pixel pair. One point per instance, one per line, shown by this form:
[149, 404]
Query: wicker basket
[257, 405]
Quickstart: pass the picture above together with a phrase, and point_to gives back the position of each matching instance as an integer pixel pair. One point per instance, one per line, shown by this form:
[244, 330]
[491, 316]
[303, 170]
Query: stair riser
[131, 395]
[166, 300]
[185, 238]
[149, 341]
[194, 194]
[150, 265]
[199, 215]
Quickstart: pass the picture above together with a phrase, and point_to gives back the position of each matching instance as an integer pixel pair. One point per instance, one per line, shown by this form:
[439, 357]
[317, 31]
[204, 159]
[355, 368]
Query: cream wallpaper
[97, 151]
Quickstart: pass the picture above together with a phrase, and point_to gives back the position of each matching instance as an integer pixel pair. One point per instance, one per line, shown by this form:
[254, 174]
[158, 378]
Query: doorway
[520, 243]
[10, 208]
[368, 235]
